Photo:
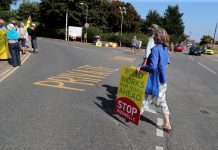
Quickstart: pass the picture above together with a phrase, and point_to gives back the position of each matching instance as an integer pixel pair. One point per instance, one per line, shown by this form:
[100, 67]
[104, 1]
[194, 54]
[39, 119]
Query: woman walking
[155, 94]
[13, 36]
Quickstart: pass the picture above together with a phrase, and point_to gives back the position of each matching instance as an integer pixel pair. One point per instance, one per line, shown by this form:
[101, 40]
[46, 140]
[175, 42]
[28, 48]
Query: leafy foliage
[5, 12]
[27, 9]
[206, 39]
[172, 21]
[131, 20]
[153, 17]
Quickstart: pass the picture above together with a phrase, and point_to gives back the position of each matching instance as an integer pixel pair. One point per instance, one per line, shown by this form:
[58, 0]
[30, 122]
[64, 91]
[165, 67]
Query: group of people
[18, 38]
[155, 62]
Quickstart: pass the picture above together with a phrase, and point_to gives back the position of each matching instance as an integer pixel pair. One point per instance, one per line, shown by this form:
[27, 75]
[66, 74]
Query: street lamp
[86, 24]
[122, 10]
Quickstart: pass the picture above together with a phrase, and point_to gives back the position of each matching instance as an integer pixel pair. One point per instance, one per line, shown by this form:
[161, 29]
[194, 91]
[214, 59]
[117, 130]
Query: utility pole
[214, 35]
[66, 25]
[122, 10]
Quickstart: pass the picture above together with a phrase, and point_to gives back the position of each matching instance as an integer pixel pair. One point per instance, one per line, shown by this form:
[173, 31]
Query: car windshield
[209, 48]
[196, 48]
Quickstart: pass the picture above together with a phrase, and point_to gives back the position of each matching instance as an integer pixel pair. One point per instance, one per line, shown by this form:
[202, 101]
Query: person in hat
[13, 36]
[150, 43]
[32, 33]
[2, 27]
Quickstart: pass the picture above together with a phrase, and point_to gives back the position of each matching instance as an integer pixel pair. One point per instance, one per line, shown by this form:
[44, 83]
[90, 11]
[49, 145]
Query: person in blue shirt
[13, 36]
[155, 94]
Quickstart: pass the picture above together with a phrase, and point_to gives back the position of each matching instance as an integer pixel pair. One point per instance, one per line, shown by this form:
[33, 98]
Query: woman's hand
[137, 70]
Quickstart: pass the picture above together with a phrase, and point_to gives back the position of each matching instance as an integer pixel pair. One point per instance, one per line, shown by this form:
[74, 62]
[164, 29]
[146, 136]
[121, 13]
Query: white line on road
[191, 57]
[159, 148]
[10, 71]
[159, 132]
[207, 68]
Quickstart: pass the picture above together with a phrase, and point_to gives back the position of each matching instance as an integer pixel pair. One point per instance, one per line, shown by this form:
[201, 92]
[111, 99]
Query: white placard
[75, 32]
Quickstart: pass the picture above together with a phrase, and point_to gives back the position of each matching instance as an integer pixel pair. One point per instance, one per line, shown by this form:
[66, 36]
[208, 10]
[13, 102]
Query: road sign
[86, 25]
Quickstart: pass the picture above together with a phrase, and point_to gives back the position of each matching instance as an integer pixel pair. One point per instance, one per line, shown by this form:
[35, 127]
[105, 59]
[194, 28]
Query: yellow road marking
[123, 58]
[84, 75]
[78, 77]
[96, 68]
[92, 72]
[60, 85]
[70, 80]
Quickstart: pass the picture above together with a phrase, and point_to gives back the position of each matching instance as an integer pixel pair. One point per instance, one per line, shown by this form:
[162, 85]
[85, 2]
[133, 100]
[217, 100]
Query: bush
[54, 33]
[92, 32]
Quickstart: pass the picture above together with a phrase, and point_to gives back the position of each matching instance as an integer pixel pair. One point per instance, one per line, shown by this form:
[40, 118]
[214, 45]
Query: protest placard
[130, 94]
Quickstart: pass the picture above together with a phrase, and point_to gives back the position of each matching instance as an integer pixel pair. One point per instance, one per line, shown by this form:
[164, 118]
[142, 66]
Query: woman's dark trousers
[15, 54]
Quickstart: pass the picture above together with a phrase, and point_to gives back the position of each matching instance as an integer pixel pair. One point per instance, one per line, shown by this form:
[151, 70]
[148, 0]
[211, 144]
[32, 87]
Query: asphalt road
[37, 114]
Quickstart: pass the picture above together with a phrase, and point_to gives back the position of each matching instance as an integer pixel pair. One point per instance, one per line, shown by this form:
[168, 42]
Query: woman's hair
[161, 36]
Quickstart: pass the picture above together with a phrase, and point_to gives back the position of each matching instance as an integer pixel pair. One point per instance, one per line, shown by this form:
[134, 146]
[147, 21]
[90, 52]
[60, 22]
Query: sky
[200, 16]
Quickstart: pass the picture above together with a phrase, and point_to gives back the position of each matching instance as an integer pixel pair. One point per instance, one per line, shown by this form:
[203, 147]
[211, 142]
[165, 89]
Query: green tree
[206, 39]
[172, 21]
[153, 17]
[5, 12]
[26, 9]
[131, 20]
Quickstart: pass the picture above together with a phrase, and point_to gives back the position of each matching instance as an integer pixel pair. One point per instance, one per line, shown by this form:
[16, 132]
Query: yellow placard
[4, 53]
[132, 85]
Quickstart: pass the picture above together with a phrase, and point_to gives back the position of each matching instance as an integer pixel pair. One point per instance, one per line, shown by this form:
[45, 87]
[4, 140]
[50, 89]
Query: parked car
[208, 50]
[195, 50]
[179, 48]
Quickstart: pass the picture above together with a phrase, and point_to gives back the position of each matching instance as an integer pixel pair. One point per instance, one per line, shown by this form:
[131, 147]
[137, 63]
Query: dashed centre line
[77, 78]
[159, 132]
[159, 148]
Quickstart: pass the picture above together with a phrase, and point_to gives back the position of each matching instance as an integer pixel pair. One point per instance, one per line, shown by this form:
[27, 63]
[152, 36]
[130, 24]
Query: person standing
[150, 43]
[134, 44]
[155, 93]
[22, 40]
[32, 33]
[13, 36]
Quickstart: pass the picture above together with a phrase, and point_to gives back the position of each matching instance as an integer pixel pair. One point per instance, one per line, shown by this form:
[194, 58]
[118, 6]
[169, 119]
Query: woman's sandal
[167, 130]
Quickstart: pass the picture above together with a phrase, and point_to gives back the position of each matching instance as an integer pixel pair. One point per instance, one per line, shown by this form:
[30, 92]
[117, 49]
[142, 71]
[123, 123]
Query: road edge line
[9, 71]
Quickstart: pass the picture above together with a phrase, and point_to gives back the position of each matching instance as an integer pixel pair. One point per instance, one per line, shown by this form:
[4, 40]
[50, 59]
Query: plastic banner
[4, 53]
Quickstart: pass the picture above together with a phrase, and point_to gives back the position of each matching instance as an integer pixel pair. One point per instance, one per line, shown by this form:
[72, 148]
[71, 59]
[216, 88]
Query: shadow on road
[108, 103]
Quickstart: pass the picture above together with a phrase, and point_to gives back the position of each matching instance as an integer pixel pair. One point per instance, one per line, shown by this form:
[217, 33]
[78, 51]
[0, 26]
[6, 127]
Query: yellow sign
[4, 53]
[130, 94]
[132, 85]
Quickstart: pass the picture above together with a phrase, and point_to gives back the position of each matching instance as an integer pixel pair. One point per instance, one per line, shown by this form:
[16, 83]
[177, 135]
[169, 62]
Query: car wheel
[199, 54]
